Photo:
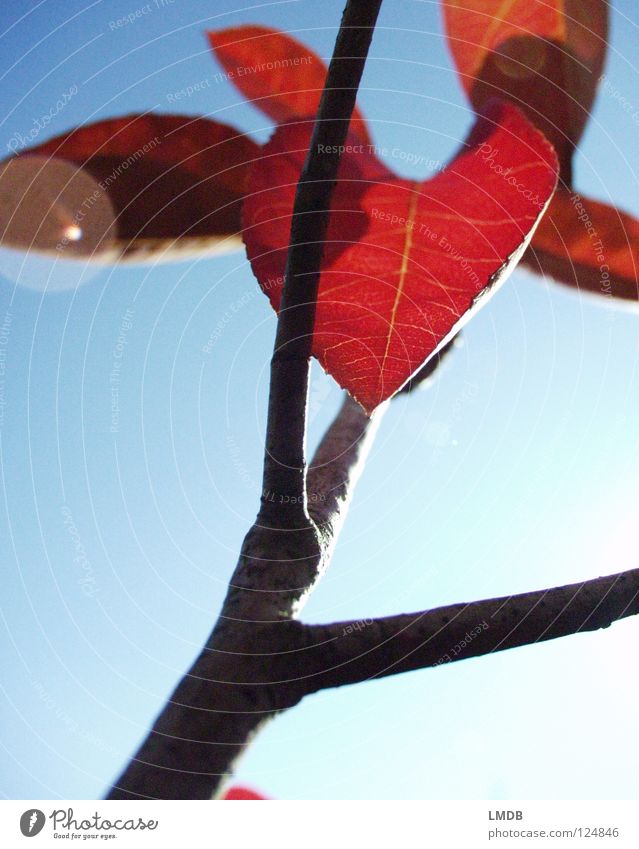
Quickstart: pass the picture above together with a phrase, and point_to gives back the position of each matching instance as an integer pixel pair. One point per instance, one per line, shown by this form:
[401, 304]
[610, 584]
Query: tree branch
[246, 672]
[228, 694]
[337, 465]
[253, 680]
[349, 652]
[259, 660]
[284, 492]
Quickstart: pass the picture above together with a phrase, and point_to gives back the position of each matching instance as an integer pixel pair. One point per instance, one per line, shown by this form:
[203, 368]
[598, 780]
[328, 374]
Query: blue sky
[516, 470]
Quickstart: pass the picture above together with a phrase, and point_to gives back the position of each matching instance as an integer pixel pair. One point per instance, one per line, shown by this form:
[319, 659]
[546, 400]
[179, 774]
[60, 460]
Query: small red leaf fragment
[589, 245]
[277, 73]
[405, 263]
[239, 793]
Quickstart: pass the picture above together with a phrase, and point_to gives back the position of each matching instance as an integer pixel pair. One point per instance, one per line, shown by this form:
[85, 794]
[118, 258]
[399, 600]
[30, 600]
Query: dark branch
[348, 652]
[243, 675]
[223, 700]
[337, 465]
[284, 466]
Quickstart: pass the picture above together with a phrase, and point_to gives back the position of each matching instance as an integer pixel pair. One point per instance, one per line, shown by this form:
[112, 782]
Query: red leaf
[242, 794]
[587, 244]
[405, 263]
[546, 56]
[277, 73]
[167, 177]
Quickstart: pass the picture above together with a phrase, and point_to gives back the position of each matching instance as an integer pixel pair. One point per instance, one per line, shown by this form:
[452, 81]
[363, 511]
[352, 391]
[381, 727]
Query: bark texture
[259, 659]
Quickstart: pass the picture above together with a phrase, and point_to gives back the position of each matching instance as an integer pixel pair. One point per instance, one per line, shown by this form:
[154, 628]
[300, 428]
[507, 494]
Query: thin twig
[337, 465]
[348, 652]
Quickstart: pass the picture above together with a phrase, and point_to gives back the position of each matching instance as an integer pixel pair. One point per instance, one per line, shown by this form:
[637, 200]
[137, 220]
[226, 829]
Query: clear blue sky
[517, 470]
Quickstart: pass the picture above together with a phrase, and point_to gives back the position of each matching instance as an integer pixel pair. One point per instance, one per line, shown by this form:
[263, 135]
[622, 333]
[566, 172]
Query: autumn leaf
[589, 245]
[547, 57]
[276, 73]
[405, 263]
[174, 183]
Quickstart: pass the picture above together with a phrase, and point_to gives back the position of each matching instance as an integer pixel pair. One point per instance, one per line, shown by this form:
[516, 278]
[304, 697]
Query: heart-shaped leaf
[278, 74]
[175, 185]
[405, 263]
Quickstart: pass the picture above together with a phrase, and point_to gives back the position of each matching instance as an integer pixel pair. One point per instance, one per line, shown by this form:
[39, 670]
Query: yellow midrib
[408, 243]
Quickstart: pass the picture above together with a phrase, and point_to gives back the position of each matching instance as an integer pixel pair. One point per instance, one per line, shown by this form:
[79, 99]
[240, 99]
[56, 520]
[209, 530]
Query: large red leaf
[587, 244]
[405, 263]
[173, 182]
[546, 56]
[277, 73]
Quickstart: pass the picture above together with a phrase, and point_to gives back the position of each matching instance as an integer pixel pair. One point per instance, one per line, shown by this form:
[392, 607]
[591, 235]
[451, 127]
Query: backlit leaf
[546, 56]
[405, 263]
[175, 184]
[278, 74]
[587, 244]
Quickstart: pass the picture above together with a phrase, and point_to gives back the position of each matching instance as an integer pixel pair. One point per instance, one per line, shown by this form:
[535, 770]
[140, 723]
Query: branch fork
[260, 659]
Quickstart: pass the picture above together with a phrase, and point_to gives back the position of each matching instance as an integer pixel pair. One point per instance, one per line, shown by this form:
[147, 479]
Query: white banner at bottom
[445, 825]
